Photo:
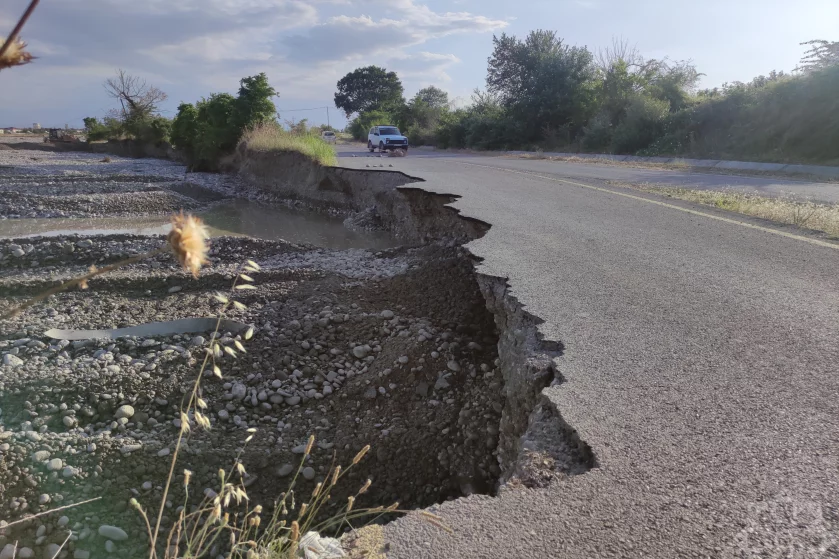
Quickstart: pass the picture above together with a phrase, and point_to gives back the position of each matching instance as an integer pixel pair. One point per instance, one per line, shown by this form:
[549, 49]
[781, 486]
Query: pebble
[175, 288]
[361, 351]
[25, 553]
[387, 315]
[285, 470]
[12, 360]
[239, 391]
[197, 341]
[41, 455]
[55, 464]
[112, 533]
[125, 411]
[308, 473]
[51, 551]
[63, 521]
[81, 554]
[453, 366]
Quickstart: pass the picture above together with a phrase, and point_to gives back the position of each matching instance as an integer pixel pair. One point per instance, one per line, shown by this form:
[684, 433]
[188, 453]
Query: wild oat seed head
[365, 487]
[188, 240]
[336, 475]
[15, 55]
[187, 477]
[317, 490]
[295, 531]
[309, 445]
[350, 503]
[360, 454]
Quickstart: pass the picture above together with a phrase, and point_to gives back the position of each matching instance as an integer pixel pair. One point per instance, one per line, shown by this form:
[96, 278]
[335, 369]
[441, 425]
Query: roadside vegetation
[808, 215]
[209, 129]
[543, 94]
[272, 137]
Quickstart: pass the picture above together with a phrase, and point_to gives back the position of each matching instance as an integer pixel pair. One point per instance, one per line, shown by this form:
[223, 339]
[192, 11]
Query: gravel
[354, 346]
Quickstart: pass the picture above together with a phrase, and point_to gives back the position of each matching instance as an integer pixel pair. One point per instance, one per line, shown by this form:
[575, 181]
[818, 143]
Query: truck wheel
[370, 146]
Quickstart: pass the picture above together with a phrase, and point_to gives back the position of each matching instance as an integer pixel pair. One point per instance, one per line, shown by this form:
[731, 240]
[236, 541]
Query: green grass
[274, 138]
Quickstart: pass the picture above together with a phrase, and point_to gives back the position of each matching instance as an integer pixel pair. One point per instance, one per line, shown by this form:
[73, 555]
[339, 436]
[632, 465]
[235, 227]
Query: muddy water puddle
[236, 218]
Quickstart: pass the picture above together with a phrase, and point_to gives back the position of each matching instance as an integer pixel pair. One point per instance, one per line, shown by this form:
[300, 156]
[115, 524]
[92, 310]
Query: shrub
[597, 136]
[644, 122]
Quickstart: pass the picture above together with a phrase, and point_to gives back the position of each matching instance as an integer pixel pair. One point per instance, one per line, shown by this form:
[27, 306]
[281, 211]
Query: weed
[270, 137]
[806, 214]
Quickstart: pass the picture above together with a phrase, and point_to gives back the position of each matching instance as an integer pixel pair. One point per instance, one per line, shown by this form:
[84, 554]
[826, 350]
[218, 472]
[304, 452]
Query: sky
[191, 48]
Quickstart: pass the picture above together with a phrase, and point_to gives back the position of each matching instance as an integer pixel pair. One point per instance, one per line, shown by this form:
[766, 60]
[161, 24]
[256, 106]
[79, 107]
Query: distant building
[36, 126]
[11, 130]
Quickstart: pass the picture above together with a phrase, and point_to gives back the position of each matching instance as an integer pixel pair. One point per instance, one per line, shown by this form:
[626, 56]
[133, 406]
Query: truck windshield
[389, 131]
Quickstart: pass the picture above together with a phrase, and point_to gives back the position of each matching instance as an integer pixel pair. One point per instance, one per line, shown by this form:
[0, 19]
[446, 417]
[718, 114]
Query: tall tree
[137, 99]
[434, 97]
[542, 81]
[253, 104]
[368, 88]
[822, 54]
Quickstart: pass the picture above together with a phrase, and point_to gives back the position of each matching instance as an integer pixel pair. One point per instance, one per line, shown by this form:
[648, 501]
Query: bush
[643, 124]
[597, 136]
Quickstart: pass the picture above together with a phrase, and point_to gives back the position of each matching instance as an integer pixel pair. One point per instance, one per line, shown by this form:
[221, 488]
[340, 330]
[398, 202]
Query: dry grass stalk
[12, 51]
[188, 240]
[810, 215]
[15, 55]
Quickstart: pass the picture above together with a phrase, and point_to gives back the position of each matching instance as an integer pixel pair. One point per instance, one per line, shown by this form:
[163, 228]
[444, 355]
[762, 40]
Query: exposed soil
[395, 349]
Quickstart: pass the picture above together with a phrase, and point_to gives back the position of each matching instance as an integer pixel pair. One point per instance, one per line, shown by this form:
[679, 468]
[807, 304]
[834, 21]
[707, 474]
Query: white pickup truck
[386, 138]
[328, 136]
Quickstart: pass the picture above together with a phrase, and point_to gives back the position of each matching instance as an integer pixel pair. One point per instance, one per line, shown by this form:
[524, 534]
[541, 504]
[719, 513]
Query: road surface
[767, 186]
[701, 365]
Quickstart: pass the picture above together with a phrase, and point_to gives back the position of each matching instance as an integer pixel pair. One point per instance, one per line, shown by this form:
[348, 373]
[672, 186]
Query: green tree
[366, 89]
[253, 104]
[542, 82]
[434, 97]
[822, 54]
[215, 132]
[185, 128]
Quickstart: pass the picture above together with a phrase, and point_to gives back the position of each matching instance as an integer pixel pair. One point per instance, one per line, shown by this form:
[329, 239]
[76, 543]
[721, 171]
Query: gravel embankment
[394, 349]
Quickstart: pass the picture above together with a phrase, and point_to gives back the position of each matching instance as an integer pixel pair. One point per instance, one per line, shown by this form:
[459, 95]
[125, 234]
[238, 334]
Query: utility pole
[327, 116]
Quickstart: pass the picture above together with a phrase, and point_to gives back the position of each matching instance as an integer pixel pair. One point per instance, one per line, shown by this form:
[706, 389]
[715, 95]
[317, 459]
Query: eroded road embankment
[405, 349]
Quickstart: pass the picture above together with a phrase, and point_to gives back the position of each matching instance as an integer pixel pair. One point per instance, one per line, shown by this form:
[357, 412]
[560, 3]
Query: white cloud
[351, 37]
[191, 48]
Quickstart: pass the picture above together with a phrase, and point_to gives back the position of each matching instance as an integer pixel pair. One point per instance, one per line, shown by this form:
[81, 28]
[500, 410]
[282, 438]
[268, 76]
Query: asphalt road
[767, 186]
[701, 364]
